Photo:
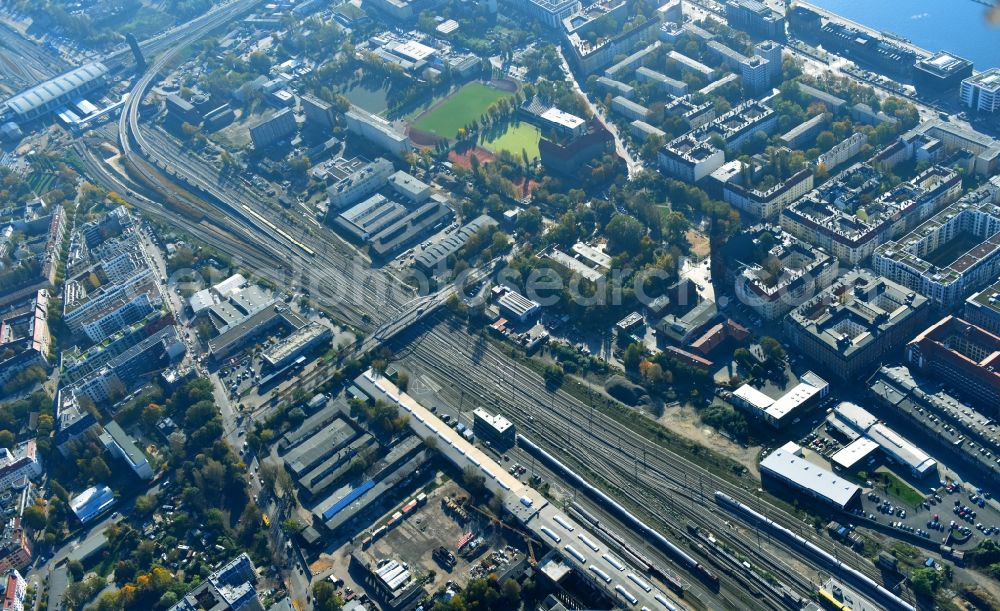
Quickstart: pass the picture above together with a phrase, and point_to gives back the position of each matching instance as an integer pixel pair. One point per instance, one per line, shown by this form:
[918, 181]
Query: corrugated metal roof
[41, 94]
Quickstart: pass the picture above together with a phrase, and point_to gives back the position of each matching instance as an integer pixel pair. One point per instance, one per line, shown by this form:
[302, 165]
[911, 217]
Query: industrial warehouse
[53, 94]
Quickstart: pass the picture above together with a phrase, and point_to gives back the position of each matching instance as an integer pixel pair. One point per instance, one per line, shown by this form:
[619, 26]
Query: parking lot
[239, 375]
[952, 515]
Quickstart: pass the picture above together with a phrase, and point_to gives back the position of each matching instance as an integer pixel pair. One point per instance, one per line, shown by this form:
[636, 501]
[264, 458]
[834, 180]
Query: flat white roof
[414, 50]
[753, 397]
[563, 118]
[201, 300]
[496, 421]
[901, 449]
[855, 416]
[798, 471]
[230, 285]
[791, 400]
[894, 444]
[447, 27]
[854, 452]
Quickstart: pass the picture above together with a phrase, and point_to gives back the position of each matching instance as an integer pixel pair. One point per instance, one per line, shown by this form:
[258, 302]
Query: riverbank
[924, 53]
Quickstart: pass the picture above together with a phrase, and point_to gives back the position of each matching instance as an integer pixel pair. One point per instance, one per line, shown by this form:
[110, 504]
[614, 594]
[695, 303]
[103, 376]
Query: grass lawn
[518, 137]
[458, 110]
[900, 489]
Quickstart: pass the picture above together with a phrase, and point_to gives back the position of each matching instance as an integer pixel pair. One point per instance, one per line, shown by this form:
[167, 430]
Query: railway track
[667, 519]
[358, 297]
[521, 396]
[214, 232]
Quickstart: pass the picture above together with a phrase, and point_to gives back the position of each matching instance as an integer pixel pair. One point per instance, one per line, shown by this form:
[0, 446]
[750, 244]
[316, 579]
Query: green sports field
[518, 137]
[458, 110]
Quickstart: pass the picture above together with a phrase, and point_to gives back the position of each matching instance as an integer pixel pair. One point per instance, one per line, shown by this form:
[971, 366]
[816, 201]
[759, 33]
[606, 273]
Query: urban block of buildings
[843, 151]
[14, 591]
[590, 48]
[983, 309]
[857, 323]
[964, 355]
[24, 337]
[850, 218]
[19, 466]
[689, 159]
[782, 276]
[985, 150]
[232, 587]
[755, 19]
[30, 235]
[739, 188]
[952, 254]
[549, 13]
[15, 546]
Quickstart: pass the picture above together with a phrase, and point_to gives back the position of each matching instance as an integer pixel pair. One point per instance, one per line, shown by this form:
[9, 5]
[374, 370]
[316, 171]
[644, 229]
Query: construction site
[435, 540]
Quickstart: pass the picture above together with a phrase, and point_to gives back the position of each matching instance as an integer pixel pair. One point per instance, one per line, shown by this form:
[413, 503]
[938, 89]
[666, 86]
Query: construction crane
[528, 539]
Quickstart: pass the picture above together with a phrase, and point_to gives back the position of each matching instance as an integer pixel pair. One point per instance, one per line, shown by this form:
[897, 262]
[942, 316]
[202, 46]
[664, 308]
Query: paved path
[634, 166]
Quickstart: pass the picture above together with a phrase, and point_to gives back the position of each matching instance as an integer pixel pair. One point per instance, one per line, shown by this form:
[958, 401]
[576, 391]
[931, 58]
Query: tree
[772, 350]
[511, 593]
[34, 517]
[624, 234]
[151, 414]
[474, 481]
[7, 439]
[189, 130]
[553, 375]
[299, 166]
[825, 140]
[145, 504]
[259, 63]
[75, 568]
[325, 597]
[675, 227]
[632, 357]
[169, 599]
[925, 581]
